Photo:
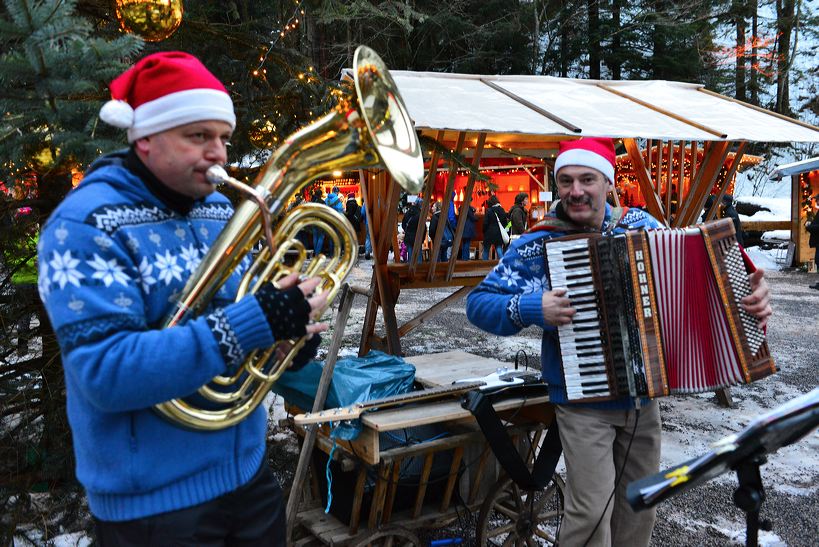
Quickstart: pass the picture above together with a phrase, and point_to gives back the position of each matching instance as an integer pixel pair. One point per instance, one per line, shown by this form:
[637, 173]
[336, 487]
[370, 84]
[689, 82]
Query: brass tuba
[370, 129]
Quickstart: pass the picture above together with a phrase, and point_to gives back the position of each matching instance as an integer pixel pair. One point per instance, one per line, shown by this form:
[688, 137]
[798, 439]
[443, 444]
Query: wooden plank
[422, 486]
[707, 175]
[669, 184]
[457, 456]
[379, 493]
[392, 489]
[653, 204]
[380, 257]
[358, 499]
[441, 369]
[436, 412]
[765, 225]
[422, 317]
[420, 235]
[729, 175]
[446, 203]
[694, 186]
[459, 229]
[480, 469]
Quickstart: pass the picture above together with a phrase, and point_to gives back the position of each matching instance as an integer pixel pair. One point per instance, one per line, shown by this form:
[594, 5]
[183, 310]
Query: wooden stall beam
[653, 204]
[712, 212]
[425, 315]
[459, 229]
[420, 235]
[707, 176]
[446, 203]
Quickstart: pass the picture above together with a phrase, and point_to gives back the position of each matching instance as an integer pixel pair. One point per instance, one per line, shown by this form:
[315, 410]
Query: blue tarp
[355, 379]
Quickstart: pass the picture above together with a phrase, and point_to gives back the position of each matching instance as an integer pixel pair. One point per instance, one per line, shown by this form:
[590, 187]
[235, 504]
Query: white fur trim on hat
[117, 113]
[180, 108]
[585, 158]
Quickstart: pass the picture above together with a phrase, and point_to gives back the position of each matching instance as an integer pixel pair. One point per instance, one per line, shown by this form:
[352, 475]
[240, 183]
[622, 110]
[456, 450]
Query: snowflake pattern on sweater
[113, 260]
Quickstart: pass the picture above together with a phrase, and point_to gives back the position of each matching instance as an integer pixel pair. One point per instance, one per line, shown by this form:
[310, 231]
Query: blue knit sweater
[510, 298]
[112, 259]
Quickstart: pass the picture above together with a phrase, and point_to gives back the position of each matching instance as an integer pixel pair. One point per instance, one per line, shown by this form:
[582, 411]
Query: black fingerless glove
[287, 311]
[306, 353]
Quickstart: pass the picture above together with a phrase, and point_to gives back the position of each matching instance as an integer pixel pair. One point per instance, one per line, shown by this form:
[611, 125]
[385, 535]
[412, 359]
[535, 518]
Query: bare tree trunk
[784, 26]
[594, 39]
[753, 78]
[739, 18]
[616, 44]
[564, 46]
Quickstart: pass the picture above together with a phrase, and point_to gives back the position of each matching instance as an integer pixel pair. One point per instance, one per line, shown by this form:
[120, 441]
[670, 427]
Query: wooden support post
[457, 456]
[477, 477]
[358, 499]
[710, 172]
[379, 493]
[421, 318]
[707, 152]
[392, 489]
[420, 235]
[446, 203]
[459, 229]
[653, 204]
[728, 176]
[422, 485]
[658, 169]
[344, 306]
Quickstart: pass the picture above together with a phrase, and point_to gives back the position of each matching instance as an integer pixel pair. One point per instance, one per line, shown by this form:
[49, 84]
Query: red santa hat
[166, 90]
[597, 153]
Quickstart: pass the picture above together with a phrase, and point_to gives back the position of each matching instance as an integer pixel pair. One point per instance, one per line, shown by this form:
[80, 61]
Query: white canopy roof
[560, 107]
[795, 168]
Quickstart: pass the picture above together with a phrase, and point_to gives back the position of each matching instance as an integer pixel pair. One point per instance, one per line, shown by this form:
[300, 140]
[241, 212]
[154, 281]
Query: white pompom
[118, 114]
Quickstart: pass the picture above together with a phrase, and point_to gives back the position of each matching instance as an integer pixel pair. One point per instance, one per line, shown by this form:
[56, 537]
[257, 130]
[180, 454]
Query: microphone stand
[744, 452]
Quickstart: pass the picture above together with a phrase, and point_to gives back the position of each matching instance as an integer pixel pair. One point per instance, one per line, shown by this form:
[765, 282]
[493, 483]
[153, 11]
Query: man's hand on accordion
[557, 309]
[758, 303]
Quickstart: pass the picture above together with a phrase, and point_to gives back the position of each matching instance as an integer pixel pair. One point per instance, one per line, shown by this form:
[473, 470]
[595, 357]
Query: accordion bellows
[658, 312]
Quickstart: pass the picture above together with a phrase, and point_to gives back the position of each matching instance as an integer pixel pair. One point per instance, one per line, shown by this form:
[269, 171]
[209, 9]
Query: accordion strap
[480, 405]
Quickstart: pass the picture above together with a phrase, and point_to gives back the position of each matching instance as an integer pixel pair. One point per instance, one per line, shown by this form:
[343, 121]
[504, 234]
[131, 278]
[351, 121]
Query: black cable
[619, 477]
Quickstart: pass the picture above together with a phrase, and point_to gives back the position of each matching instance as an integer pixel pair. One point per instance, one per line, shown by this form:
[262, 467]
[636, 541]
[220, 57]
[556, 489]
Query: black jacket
[491, 231]
[353, 213]
[410, 225]
[813, 230]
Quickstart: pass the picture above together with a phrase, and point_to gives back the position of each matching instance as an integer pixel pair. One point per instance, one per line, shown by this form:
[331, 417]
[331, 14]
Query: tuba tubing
[371, 129]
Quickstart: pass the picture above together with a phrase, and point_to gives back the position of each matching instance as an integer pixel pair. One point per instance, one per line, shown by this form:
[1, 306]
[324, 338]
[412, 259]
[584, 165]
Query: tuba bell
[368, 130]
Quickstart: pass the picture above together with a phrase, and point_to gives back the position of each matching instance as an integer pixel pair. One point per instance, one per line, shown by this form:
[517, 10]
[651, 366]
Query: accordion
[658, 312]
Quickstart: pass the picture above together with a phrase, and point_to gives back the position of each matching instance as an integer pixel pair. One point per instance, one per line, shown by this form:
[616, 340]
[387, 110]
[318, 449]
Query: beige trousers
[594, 447]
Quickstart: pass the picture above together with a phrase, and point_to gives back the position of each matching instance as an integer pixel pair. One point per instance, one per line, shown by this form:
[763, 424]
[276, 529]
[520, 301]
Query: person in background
[606, 444]
[318, 235]
[411, 223]
[469, 230]
[112, 259]
[493, 220]
[813, 240]
[446, 240]
[729, 211]
[334, 200]
[519, 215]
[353, 212]
[368, 247]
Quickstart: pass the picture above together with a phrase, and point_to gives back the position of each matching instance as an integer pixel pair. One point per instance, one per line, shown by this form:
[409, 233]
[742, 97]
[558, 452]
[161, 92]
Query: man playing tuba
[112, 259]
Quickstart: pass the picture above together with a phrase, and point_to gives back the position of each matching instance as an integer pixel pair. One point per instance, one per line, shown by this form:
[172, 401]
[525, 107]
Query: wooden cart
[507, 516]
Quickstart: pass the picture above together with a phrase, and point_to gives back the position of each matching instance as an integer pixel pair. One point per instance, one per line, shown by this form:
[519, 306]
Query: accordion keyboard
[581, 341]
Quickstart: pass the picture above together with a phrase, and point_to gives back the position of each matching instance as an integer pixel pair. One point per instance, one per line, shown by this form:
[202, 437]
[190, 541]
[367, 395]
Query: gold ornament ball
[154, 20]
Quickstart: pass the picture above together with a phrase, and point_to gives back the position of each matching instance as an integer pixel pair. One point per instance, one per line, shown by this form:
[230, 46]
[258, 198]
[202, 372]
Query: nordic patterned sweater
[112, 259]
[510, 298]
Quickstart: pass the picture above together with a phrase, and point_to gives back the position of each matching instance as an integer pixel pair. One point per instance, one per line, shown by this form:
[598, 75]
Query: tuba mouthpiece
[216, 175]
